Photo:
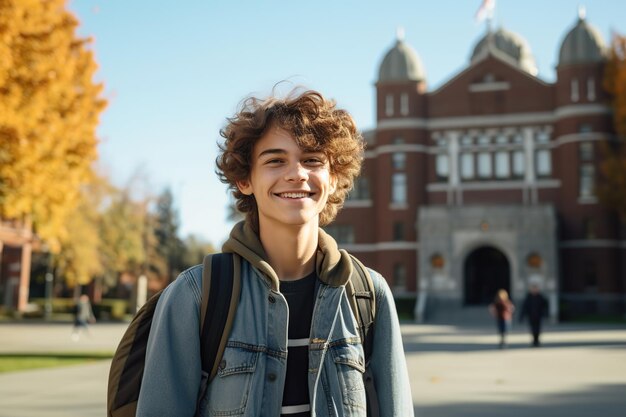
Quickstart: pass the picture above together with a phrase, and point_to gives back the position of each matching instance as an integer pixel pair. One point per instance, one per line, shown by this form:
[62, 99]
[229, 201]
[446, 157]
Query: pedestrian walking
[502, 310]
[294, 348]
[535, 307]
[83, 316]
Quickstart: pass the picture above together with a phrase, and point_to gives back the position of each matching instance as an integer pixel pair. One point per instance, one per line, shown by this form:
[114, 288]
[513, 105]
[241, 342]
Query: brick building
[488, 181]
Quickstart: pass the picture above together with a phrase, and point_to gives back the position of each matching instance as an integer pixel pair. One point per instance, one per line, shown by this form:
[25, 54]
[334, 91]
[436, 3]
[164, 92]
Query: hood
[333, 265]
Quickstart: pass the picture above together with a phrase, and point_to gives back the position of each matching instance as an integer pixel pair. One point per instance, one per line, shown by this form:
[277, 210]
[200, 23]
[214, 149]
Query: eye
[274, 161]
[315, 161]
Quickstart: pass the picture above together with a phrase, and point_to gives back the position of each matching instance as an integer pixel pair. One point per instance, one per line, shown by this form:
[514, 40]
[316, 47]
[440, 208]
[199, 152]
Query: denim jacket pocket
[350, 363]
[228, 392]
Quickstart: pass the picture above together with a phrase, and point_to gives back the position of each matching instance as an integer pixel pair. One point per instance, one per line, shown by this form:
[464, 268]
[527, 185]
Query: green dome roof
[583, 44]
[401, 63]
[508, 45]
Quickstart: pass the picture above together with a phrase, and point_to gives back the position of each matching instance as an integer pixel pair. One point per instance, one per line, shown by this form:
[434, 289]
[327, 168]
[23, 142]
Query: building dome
[508, 45]
[583, 44]
[401, 63]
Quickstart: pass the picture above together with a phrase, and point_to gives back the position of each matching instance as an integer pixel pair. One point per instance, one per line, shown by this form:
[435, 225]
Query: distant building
[16, 244]
[488, 181]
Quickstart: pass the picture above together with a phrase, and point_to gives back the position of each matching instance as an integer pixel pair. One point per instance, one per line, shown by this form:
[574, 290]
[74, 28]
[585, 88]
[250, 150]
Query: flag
[485, 11]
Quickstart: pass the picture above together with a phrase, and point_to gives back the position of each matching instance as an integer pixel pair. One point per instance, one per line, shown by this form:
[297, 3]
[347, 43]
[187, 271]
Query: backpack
[220, 298]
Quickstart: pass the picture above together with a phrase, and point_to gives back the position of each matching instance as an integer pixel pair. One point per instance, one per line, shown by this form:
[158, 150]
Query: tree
[166, 223]
[613, 169]
[49, 109]
[195, 250]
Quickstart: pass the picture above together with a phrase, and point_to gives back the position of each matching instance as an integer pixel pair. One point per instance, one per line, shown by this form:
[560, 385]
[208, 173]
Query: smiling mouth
[295, 195]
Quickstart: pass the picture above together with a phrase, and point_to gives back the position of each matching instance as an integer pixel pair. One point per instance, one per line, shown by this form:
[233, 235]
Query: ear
[333, 184]
[245, 187]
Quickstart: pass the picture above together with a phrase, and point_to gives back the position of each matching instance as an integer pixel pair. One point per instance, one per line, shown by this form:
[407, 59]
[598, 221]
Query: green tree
[612, 190]
[195, 249]
[49, 109]
[169, 245]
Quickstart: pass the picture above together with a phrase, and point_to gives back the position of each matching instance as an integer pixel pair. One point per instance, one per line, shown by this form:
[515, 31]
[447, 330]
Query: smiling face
[291, 186]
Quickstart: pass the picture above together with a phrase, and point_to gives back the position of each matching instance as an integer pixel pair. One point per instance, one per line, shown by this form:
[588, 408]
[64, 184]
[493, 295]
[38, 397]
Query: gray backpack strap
[362, 296]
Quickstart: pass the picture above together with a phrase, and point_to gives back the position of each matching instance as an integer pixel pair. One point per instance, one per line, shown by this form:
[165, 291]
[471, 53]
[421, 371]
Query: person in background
[502, 310]
[83, 316]
[535, 307]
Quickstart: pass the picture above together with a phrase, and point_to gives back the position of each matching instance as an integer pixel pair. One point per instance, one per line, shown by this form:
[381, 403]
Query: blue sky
[173, 71]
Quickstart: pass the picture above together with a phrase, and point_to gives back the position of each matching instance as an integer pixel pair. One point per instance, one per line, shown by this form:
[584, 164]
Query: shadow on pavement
[422, 346]
[601, 400]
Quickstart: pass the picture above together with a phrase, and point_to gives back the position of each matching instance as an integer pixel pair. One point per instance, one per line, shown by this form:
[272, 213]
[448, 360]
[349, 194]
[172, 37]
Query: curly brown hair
[315, 124]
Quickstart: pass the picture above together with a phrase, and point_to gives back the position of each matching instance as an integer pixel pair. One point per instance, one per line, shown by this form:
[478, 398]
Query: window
[589, 228]
[587, 174]
[543, 163]
[574, 94]
[441, 165]
[591, 89]
[585, 151]
[484, 140]
[399, 277]
[398, 188]
[519, 164]
[518, 138]
[585, 128]
[484, 165]
[466, 140]
[404, 104]
[361, 190]
[543, 137]
[467, 166]
[442, 143]
[398, 140]
[398, 231]
[342, 233]
[590, 275]
[399, 160]
[502, 139]
[503, 167]
[389, 105]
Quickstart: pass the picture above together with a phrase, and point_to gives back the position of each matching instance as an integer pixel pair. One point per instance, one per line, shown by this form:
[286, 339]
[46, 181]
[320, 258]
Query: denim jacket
[252, 371]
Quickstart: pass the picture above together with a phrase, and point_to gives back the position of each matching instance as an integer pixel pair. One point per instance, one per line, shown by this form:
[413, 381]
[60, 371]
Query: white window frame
[468, 170]
[503, 164]
[389, 105]
[398, 188]
[442, 165]
[575, 94]
[484, 165]
[519, 163]
[543, 163]
[404, 104]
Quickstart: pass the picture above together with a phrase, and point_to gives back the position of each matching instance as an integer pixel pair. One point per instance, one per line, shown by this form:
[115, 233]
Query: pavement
[579, 371]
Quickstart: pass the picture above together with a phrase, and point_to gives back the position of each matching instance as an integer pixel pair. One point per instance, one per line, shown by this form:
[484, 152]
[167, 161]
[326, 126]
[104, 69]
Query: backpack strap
[362, 297]
[220, 297]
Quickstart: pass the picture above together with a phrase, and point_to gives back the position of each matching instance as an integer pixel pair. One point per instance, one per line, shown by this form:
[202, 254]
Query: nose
[297, 173]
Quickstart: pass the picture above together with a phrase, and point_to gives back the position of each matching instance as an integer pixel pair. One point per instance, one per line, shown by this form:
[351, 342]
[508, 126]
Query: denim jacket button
[271, 377]
[272, 299]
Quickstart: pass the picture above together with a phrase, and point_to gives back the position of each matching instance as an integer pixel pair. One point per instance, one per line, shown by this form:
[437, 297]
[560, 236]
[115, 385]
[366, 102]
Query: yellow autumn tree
[612, 191]
[49, 110]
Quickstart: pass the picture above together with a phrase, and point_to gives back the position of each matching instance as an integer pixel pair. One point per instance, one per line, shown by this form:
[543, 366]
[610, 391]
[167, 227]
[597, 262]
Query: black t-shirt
[300, 296]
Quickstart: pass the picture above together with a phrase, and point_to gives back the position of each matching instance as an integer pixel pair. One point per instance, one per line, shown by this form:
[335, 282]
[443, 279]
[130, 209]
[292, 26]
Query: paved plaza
[579, 371]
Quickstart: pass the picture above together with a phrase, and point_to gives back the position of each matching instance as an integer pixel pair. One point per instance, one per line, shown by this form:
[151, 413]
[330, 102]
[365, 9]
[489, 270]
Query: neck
[290, 249]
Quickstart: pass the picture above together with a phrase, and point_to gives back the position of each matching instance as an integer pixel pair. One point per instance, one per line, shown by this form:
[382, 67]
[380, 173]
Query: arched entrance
[486, 270]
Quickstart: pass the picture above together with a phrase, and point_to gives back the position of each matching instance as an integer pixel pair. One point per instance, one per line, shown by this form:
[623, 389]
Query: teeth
[294, 195]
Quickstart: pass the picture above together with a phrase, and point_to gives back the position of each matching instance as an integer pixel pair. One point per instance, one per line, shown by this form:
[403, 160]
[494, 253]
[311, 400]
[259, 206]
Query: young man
[294, 349]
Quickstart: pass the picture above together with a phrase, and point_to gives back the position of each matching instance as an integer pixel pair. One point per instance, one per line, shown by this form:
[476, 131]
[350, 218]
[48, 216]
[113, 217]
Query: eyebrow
[272, 151]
